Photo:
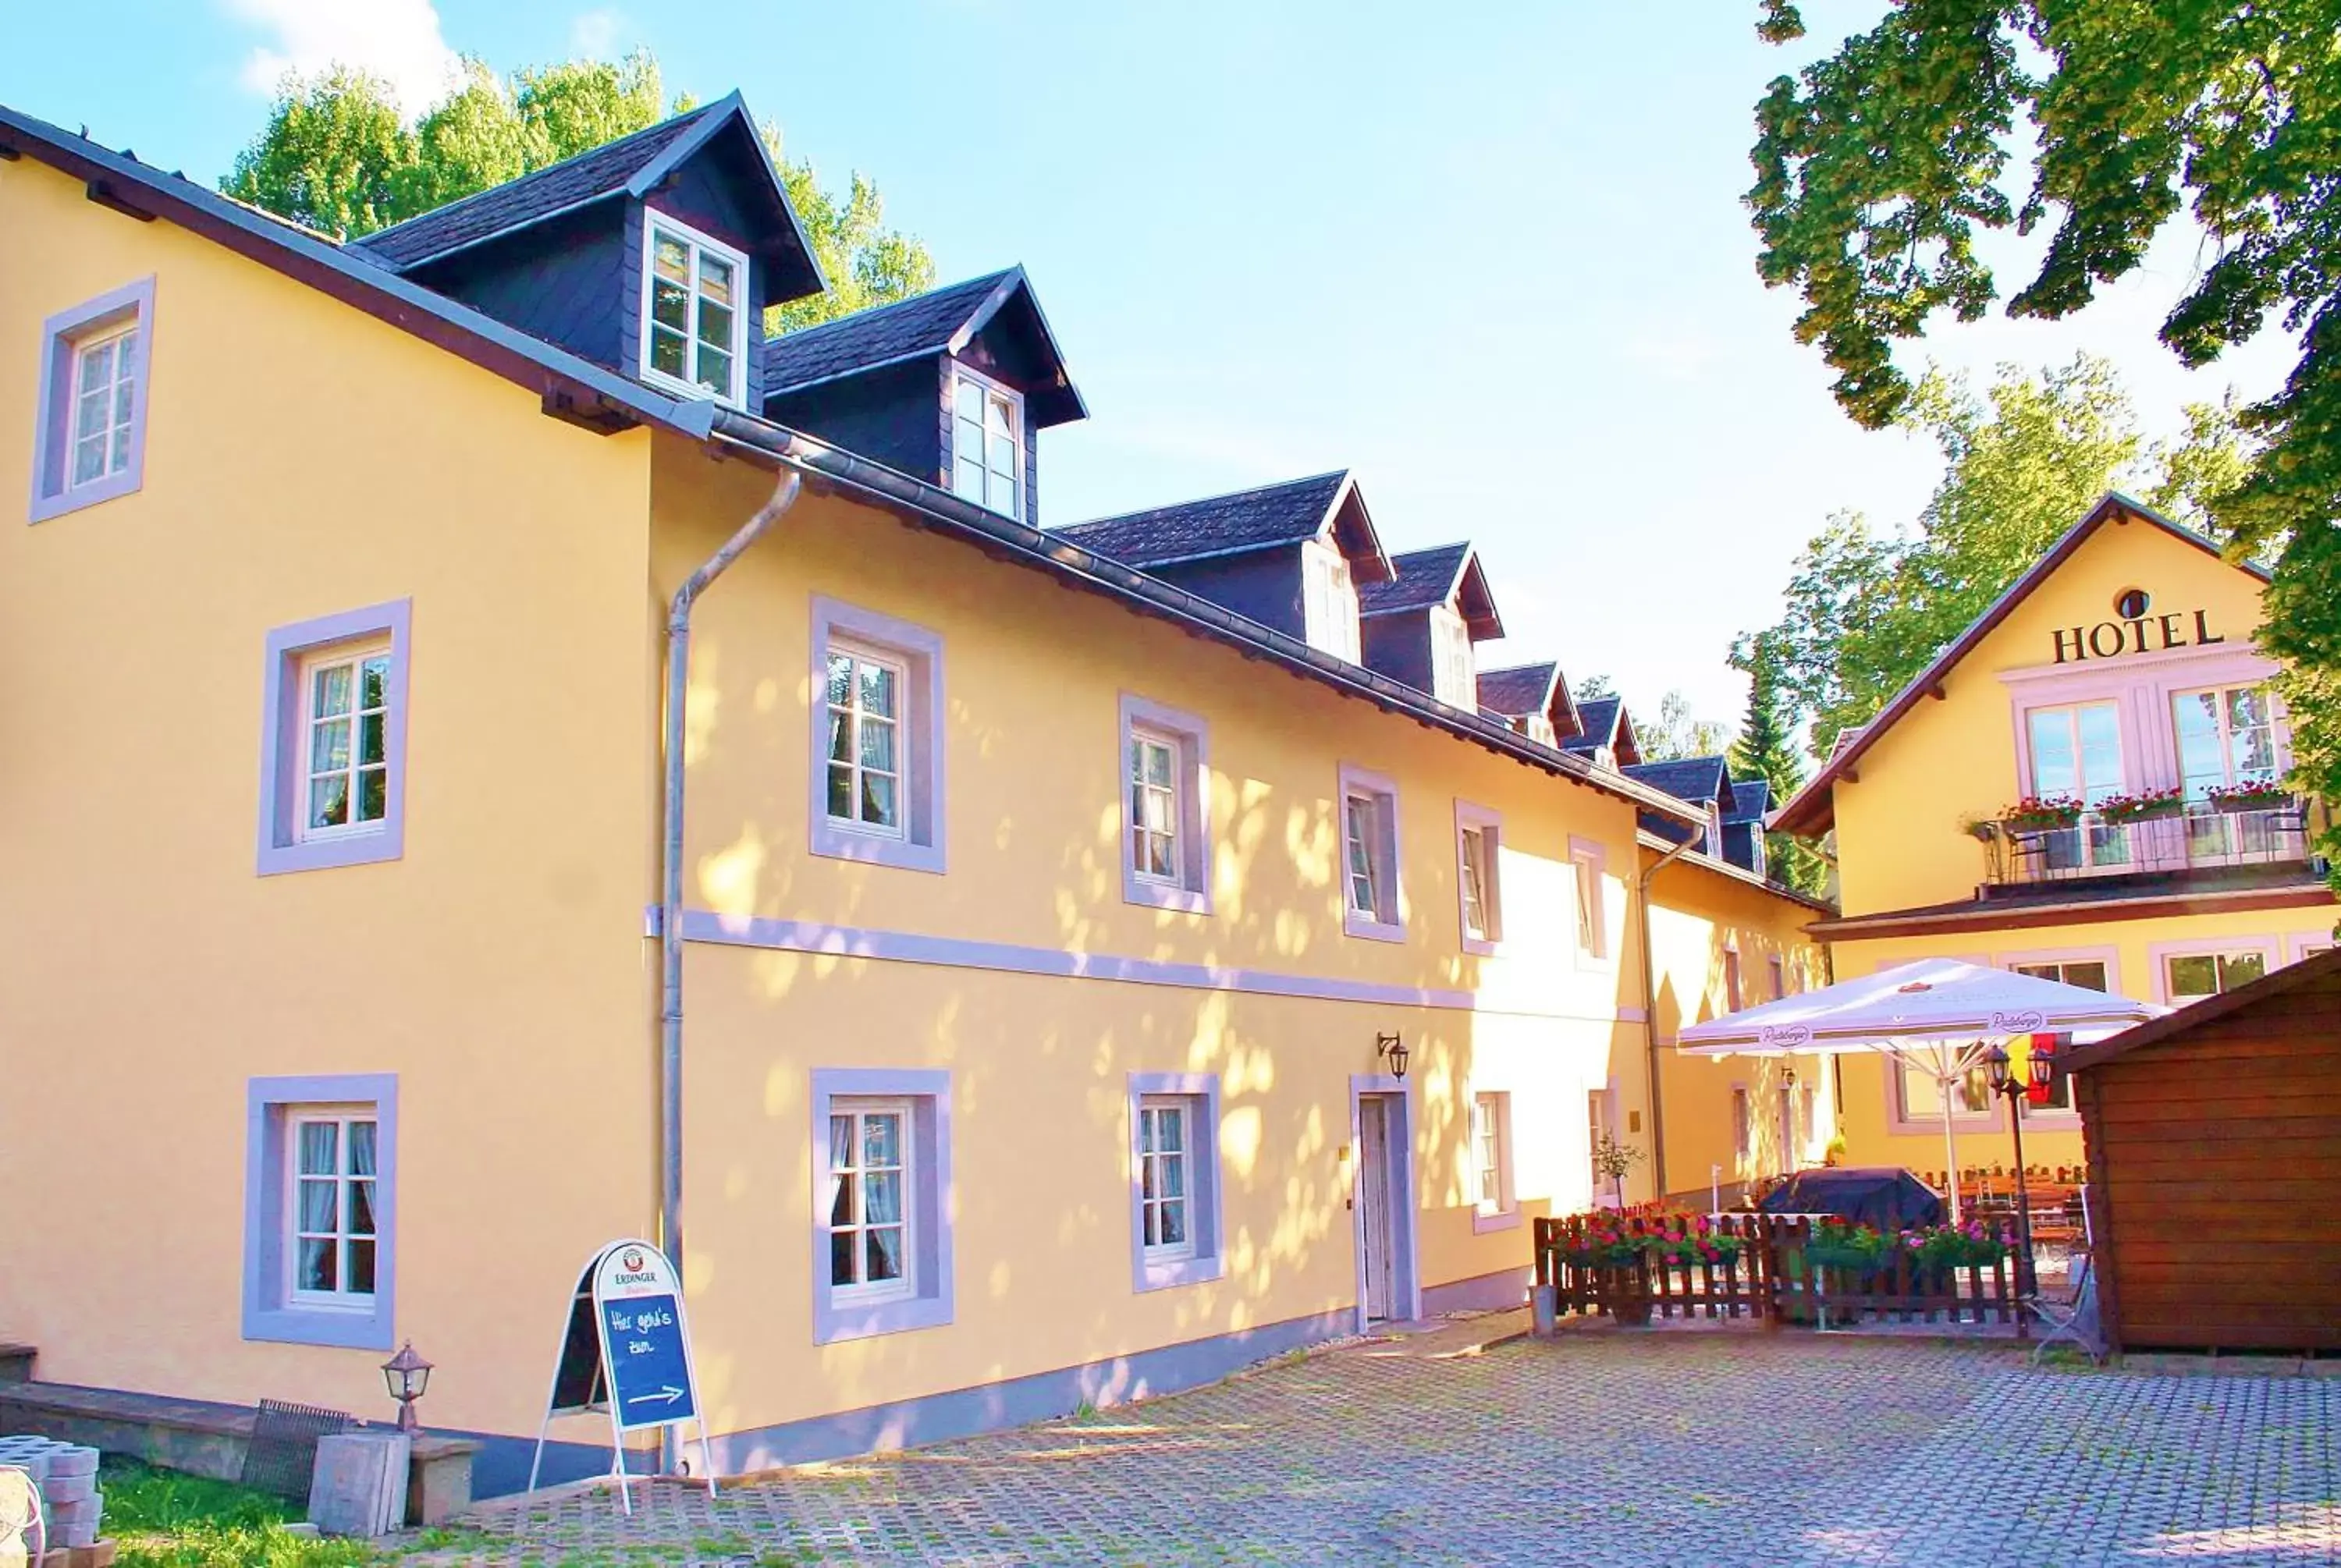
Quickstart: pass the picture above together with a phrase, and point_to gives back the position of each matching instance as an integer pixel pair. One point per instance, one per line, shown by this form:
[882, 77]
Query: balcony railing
[2201, 839]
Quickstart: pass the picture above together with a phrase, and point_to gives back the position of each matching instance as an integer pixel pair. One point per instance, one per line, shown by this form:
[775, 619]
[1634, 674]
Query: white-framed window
[1453, 679]
[1166, 1186]
[1921, 1096]
[1538, 727]
[869, 1235]
[864, 696]
[2077, 750]
[2089, 974]
[1479, 876]
[344, 741]
[91, 438]
[1589, 869]
[987, 441]
[1368, 868]
[1174, 1180]
[695, 312]
[881, 1225]
[1493, 1198]
[321, 1193]
[330, 1183]
[2227, 735]
[1328, 600]
[332, 759]
[877, 763]
[1166, 808]
[105, 403]
[2190, 977]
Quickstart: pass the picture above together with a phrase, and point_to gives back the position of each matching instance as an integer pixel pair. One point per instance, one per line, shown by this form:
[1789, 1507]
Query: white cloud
[594, 35]
[397, 40]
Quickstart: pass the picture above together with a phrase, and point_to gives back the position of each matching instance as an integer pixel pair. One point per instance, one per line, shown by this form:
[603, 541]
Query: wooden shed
[2214, 1147]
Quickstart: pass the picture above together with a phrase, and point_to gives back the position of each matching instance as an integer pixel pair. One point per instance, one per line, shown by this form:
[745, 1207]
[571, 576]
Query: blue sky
[1492, 257]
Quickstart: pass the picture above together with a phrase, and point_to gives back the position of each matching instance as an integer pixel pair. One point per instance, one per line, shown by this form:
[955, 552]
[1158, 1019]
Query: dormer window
[1539, 728]
[694, 315]
[987, 442]
[1329, 601]
[1453, 681]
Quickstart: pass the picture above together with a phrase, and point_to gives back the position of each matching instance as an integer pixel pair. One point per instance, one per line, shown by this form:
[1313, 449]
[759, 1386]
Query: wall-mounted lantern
[1391, 1049]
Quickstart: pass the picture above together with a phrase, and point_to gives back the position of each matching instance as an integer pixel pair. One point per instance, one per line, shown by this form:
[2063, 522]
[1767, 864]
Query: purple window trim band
[267, 1316]
[930, 1200]
[281, 738]
[53, 495]
[1204, 1207]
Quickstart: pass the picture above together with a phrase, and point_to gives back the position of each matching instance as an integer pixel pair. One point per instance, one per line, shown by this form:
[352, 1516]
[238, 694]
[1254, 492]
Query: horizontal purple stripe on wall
[953, 952]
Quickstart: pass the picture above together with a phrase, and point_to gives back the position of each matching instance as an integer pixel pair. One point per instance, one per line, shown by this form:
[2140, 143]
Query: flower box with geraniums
[2042, 813]
[2251, 795]
[2145, 805]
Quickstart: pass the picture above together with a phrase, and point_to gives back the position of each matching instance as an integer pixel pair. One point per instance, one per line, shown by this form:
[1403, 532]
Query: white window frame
[1328, 600]
[2269, 949]
[1154, 1201]
[1189, 891]
[2278, 750]
[993, 393]
[864, 1292]
[293, 653]
[1906, 1117]
[734, 395]
[355, 654]
[273, 1312]
[1588, 864]
[918, 844]
[1201, 1257]
[861, 656]
[1386, 921]
[1453, 679]
[1492, 1121]
[1477, 825]
[341, 1118]
[1538, 727]
[2100, 846]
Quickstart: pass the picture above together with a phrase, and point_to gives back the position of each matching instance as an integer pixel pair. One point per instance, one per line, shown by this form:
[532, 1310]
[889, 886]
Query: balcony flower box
[2145, 805]
[2252, 795]
[2034, 814]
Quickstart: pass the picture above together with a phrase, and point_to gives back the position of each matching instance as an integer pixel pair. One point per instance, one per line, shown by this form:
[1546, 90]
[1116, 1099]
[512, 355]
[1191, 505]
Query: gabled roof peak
[1289, 513]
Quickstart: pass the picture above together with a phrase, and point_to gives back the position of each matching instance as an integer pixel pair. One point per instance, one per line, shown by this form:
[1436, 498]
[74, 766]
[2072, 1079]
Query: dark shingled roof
[1273, 514]
[1425, 579]
[1600, 714]
[1519, 692]
[1752, 797]
[921, 325]
[601, 171]
[1699, 778]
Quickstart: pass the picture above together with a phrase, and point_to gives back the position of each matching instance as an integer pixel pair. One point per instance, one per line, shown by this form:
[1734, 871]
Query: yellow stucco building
[2085, 786]
[1049, 912]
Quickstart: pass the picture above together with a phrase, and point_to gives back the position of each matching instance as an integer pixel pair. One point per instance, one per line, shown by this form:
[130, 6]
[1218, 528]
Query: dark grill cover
[1885, 1196]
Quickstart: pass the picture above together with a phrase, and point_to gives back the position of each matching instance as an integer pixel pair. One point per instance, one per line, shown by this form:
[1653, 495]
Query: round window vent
[2132, 603]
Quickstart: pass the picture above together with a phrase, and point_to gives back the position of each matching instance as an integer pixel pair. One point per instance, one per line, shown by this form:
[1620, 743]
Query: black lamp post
[2004, 1082]
[1391, 1049]
[407, 1375]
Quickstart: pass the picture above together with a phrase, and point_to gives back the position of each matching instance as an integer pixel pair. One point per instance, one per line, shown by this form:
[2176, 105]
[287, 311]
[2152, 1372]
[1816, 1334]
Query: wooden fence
[1761, 1270]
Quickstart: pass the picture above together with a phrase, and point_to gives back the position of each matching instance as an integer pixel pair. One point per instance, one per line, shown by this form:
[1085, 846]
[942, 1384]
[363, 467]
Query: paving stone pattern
[1601, 1448]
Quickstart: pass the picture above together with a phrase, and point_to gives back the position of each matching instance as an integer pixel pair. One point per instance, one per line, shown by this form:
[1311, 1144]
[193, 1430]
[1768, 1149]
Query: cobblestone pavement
[1598, 1448]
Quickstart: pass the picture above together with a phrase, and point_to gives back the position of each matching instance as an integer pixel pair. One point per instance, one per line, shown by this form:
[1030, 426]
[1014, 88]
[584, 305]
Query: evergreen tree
[1766, 750]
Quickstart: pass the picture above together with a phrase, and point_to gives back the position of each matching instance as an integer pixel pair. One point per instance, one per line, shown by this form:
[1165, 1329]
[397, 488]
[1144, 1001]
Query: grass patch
[162, 1519]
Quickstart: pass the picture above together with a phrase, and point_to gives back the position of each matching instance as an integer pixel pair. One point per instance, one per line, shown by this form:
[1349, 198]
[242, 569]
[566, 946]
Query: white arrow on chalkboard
[666, 1396]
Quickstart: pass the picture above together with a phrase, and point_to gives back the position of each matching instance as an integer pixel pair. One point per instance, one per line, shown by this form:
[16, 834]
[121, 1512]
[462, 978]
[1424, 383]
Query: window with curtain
[2225, 736]
[331, 1229]
[344, 742]
[1478, 868]
[869, 1217]
[1154, 806]
[1328, 600]
[865, 740]
[1491, 1116]
[1922, 1096]
[1165, 1184]
[986, 444]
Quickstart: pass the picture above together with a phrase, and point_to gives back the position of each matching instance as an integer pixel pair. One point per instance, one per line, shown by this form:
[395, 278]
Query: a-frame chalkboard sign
[626, 1350]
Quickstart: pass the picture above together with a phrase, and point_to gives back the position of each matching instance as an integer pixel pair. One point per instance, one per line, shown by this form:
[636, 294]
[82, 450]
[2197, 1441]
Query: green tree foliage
[1867, 611]
[335, 156]
[1876, 165]
[1766, 749]
[1593, 687]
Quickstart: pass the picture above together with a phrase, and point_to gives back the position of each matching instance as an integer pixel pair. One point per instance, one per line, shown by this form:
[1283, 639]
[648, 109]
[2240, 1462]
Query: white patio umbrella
[1937, 1013]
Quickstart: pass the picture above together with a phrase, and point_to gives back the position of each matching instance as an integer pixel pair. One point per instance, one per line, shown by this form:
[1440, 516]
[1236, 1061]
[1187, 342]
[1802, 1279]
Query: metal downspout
[1651, 1014]
[678, 687]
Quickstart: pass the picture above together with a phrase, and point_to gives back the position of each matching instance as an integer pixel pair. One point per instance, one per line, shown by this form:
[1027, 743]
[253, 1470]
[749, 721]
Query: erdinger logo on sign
[1785, 1035]
[634, 1260]
[2032, 1020]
